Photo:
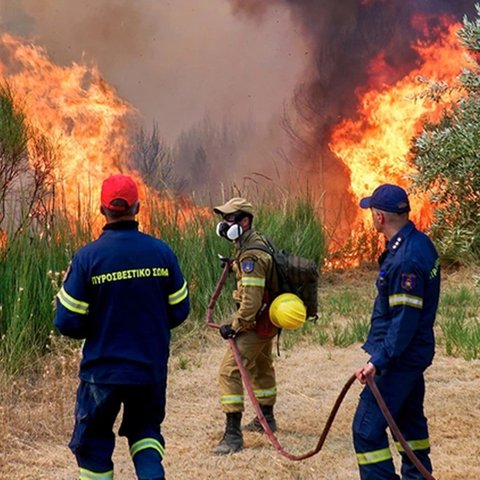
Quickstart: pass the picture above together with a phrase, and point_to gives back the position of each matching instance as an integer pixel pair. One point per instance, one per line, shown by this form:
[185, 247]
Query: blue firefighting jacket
[401, 333]
[122, 294]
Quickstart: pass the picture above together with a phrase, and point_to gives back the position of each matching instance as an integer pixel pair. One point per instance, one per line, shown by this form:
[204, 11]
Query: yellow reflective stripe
[414, 444]
[253, 281]
[179, 295]
[374, 457]
[265, 392]
[231, 399]
[89, 475]
[71, 303]
[145, 443]
[405, 299]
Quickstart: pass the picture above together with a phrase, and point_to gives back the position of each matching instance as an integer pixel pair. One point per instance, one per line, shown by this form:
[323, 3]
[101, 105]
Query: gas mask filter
[230, 232]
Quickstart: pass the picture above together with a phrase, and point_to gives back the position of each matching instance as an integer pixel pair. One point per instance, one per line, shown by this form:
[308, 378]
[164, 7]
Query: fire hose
[271, 436]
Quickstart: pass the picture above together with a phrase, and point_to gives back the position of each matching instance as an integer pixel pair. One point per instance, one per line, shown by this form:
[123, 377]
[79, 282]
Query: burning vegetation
[76, 111]
[361, 102]
[356, 109]
[375, 145]
[84, 125]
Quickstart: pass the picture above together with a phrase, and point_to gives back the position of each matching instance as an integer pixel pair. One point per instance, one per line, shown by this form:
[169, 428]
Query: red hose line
[273, 439]
[396, 431]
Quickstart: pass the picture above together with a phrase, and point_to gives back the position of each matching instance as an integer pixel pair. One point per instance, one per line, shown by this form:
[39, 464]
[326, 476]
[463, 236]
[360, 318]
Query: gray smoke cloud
[174, 61]
[346, 34]
[343, 37]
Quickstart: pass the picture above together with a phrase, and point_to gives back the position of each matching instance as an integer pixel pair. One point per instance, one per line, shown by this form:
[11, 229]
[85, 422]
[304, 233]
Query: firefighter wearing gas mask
[251, 326]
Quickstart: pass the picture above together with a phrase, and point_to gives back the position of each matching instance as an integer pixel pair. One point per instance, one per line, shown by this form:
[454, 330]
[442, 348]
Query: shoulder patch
[248, 265]
[408, 281]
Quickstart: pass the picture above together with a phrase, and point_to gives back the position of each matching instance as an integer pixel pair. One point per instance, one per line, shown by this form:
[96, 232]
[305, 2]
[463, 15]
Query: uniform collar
[397, 240]
[245, 238]
[122, 225]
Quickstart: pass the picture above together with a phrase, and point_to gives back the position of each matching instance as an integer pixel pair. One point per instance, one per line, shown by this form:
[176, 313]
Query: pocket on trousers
[368, 421]
[79, 431]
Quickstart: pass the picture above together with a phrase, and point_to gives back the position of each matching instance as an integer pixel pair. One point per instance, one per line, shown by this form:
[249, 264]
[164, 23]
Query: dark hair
[239, 216]
[127, 211]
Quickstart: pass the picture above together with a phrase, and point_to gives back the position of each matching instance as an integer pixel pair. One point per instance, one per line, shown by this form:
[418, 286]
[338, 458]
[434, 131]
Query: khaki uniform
[255, 278]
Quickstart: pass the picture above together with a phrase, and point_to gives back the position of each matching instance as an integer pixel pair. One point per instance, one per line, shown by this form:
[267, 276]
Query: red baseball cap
[118, 187]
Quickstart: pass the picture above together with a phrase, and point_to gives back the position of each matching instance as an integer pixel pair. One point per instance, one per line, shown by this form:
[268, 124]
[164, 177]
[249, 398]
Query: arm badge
[248, 265]
[408, 281]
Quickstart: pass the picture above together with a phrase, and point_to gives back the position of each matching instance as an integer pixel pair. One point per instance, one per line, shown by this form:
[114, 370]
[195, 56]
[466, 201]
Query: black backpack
[298, 275]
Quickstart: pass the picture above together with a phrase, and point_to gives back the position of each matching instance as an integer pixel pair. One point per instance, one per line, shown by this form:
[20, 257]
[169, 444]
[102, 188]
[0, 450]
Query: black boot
[256, 426]
[232, 440]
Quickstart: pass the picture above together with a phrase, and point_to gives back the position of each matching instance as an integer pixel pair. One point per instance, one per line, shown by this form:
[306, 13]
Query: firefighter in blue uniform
[400, 342]
[123, 293]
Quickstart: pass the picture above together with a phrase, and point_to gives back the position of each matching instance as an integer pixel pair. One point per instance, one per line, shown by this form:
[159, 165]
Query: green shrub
[446, 156]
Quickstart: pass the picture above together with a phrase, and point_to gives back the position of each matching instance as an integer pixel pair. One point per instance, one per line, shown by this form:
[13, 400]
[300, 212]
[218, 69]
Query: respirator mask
[230, 232]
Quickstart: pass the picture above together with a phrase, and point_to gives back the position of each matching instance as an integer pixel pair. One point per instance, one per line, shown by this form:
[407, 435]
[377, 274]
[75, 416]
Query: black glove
[226, 331]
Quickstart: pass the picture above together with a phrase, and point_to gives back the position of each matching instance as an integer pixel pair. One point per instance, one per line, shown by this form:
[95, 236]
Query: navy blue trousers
[96, 410]
[404, 394]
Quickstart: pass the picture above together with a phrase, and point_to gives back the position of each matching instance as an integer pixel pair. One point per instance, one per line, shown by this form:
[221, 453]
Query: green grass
[343, 317]
[33, 264]
[459, 321]
[31, 274]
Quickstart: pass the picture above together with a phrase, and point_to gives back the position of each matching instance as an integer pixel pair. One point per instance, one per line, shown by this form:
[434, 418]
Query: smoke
[174, 61]
[239, 60]
[343, 37]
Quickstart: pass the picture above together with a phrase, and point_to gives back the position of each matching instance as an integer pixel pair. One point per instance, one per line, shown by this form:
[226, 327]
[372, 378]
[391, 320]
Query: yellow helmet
[288, 311]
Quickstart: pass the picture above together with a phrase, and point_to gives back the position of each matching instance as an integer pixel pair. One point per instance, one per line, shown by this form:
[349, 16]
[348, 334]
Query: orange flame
[375, 146]
[83, 119]
[76, 110]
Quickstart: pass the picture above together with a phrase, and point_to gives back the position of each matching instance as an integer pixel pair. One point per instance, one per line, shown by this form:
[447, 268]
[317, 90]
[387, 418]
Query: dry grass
[36, 417]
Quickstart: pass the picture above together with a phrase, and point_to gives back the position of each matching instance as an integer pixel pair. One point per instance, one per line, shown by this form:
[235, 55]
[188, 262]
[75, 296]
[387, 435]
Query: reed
[31, 272]
[34, 262]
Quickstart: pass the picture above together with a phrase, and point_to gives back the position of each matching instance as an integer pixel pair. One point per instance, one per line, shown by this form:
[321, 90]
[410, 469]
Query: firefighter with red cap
[123, 293]
[251, 326]
[400, 342]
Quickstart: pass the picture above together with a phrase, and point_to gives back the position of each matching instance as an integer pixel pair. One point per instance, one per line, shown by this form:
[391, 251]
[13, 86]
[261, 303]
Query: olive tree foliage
[26, 170]
[447, 158]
